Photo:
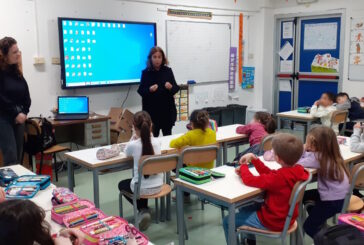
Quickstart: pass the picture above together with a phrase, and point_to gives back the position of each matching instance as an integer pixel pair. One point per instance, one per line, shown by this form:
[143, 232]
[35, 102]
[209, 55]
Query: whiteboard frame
[200, 22]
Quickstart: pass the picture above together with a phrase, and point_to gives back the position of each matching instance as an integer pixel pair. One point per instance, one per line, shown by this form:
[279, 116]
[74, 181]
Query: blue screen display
[73, 105]
[99, 53]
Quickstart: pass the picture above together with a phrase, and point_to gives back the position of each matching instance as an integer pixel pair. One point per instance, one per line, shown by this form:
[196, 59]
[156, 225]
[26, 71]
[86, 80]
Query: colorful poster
[357, 47]
[322, 36]
[325, 64]
[248, 77]
[181, 100]
[232, 67]
[357, 23]
[356, 59]
[357, 35]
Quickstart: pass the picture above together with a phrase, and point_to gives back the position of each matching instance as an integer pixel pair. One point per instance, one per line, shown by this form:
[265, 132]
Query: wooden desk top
[88, 158]
[92, 119]
[296, 115]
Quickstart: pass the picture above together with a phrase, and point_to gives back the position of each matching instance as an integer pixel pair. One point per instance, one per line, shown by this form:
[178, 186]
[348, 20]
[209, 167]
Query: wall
[352, 8]
[34, 24]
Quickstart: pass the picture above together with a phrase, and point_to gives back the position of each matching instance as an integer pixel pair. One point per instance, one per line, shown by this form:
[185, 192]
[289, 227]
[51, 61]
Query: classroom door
[314, 64]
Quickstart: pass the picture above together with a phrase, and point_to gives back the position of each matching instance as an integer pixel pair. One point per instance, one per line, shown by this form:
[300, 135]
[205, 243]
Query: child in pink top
[262, 124]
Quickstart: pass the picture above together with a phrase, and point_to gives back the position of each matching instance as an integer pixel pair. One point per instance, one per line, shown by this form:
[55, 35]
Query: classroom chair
[339, 117]
[149, 165]
[32, 128]
[295, 199]
[266, 144]
[352, 203]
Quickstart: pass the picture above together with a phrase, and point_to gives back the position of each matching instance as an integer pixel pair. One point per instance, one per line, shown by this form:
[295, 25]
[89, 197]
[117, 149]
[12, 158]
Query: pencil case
[356, 220]
[341, 140]
[82, 217]
[6, 176]
[195, 175]
[21, 190]
[42, 180]
[111, 230]
[60, 211]
[303, 109]
[63, 195]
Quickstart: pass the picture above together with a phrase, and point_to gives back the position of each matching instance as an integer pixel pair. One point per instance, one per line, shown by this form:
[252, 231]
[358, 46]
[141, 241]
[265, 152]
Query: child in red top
[278, 185]
[262, 124]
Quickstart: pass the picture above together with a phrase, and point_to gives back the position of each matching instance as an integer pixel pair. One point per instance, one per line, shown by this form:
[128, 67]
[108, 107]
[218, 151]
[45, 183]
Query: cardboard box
[115, 114]
[114, 135]
[125, 126]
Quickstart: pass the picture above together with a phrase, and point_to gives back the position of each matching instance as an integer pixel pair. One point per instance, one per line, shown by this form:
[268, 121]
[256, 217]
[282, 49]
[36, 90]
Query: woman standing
[157, 87]
[14, 101]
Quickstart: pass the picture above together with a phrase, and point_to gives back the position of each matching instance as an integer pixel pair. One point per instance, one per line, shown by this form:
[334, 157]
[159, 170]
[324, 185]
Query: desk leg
[96, 188]
[224, 150]
[232, 224]
[219, 156]
[71, 175]
[168, 197]
[180, 217]
[278, 123]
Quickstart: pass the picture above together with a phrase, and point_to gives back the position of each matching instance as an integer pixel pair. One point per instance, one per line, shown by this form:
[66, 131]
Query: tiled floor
[205, 227]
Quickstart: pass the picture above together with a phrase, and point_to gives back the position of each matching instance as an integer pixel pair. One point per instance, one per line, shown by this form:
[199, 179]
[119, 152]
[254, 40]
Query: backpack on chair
[41, 138]
[341, 234]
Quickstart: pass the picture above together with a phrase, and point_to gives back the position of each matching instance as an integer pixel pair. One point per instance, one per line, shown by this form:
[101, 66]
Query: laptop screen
[73, 105]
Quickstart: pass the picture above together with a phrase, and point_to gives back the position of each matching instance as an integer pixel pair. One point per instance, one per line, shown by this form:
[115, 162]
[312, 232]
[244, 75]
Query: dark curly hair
[22, 223]
[267, 120]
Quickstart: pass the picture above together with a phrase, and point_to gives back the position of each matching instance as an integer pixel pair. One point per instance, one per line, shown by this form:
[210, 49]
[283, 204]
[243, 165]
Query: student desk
[90, 132]
[295, 116]
[87, 158]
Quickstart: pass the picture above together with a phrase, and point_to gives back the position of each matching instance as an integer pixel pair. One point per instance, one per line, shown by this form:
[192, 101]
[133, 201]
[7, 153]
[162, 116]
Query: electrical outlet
[56, 61]
[39, 60]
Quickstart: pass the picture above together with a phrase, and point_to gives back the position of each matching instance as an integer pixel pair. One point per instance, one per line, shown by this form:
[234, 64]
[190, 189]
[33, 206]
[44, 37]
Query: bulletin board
[182, 105]
[356, 54]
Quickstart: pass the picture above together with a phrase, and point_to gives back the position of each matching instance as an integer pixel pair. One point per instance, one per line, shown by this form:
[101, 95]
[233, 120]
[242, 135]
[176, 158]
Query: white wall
[352, 8]
[34, 24]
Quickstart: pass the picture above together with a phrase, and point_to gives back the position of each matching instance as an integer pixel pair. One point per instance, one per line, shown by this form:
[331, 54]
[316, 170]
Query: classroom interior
[272, 71]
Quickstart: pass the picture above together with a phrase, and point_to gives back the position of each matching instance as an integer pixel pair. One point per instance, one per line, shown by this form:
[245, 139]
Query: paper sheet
[286, 51]
[286, 66]
[287, 30]
[321, 36]
[285, 86]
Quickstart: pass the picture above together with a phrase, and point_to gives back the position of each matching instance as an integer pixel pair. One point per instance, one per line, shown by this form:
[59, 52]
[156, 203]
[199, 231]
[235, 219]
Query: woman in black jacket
[157, 88]
[14, 101]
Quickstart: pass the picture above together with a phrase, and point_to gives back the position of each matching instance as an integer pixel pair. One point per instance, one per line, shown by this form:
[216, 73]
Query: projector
[306, 1]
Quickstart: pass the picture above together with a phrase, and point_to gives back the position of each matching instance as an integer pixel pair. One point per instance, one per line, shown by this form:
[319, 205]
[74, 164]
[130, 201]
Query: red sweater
[255, 131]
[278, 185]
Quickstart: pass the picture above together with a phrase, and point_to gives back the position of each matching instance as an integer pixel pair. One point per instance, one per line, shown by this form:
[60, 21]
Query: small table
[295, 116]
[89, 132]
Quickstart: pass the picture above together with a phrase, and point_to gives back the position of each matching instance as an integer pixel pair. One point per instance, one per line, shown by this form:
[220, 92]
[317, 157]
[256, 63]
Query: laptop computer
[72, 108]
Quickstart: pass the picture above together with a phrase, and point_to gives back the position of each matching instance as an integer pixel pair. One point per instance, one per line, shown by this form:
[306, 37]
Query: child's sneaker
[144, 219]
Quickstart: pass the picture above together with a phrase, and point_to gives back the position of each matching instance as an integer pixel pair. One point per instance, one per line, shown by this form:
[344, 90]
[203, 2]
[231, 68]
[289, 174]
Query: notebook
[72, 108]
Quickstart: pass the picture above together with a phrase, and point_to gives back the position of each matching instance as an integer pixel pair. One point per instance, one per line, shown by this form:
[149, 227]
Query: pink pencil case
[346, 219]
[82, 217]
[116, 230]
[63, 195]
[61, 211]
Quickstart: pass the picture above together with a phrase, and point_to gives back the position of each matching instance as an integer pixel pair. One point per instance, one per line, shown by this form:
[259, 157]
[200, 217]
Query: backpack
[342, 234]
[43, 139]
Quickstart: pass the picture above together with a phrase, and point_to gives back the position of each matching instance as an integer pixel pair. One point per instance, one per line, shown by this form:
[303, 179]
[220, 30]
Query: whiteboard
[198, 50]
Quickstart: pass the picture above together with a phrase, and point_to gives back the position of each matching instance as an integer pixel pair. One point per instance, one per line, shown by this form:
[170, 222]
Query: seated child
[22, 223]
[262, 124]
[200, 135]
[143, 143]
[278, 185]
[357, 139]
[352, 105]
[322, 152]
[323, 109]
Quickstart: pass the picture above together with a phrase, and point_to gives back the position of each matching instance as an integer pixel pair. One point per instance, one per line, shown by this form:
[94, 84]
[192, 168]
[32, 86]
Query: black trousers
[166, 130]
[124, 185]
[319, 213]
[11, 141]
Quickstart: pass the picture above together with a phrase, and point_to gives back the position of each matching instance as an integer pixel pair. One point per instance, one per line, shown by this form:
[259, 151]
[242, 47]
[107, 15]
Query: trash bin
[227, 116]
[239, 113]
[250, 111]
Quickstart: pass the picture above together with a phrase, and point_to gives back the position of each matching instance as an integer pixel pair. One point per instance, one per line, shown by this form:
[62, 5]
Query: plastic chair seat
[356, 204]
[253, 229]
[56, 149]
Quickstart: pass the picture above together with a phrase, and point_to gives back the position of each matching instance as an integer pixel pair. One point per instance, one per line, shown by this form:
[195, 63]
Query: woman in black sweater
[14, 102]
[157, 88]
